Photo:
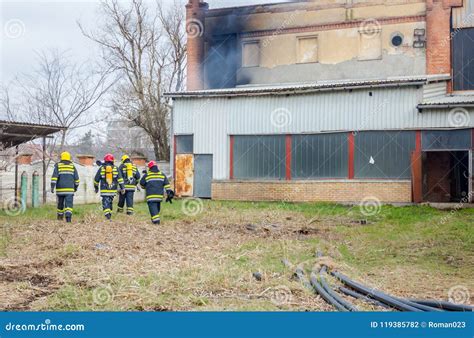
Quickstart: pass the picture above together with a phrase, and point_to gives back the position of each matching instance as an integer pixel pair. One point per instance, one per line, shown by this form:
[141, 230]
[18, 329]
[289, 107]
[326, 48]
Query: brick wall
[195, 19]
[438, 36]
[329, 191]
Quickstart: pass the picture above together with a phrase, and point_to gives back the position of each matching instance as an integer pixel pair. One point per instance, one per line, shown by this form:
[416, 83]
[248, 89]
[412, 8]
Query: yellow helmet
[65, 156]
[125, 157]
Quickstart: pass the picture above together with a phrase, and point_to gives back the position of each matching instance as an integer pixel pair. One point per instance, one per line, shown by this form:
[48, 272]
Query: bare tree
[62, 93]
[6, 104]
[146, 46]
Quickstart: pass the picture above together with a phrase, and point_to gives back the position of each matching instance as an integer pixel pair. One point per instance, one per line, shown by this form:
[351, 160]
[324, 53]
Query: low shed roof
[285, 89]
[13, 133]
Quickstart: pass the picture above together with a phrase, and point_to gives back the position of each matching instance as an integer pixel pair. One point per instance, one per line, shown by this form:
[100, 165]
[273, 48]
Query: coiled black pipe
[440, 304]
[331, 292]
[357, 295]
[326, 296]
[403, 306]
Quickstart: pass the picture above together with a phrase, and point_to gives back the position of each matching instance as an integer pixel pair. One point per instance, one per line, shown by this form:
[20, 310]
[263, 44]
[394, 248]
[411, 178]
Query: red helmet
[109, 158]
[151, 164]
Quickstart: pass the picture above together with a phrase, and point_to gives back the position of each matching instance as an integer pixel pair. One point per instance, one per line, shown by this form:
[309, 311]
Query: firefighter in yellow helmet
[131, 177]
[65, 181]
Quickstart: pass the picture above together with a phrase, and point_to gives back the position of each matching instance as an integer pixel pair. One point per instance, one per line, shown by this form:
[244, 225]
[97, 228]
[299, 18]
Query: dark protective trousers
[65, 205]
[126, 198]
[154, 208]
[107, 205]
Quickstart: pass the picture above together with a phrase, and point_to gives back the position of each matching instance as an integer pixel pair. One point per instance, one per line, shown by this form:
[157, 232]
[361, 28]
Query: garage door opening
[445, 176]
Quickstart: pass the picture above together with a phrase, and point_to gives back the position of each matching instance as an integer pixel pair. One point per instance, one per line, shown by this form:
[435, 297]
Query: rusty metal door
[184, 175]
[202, 175]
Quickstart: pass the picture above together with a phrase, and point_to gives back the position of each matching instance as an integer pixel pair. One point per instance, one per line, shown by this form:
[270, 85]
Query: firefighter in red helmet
[155, 183]
[108, 179]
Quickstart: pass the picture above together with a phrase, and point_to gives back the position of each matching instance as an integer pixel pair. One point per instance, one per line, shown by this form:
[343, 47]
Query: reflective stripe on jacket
[130, 182]
[65, 178]
[155, 183]
[100, 180]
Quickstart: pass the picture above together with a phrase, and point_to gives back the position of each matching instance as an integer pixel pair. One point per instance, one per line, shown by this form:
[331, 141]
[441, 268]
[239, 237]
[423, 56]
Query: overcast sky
[29, 26]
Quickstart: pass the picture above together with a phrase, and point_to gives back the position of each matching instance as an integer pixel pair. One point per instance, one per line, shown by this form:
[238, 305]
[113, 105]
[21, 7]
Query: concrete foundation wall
[313, 191]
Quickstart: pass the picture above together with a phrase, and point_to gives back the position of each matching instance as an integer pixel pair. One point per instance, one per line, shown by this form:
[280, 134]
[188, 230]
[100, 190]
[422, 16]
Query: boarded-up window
[370, 44]
[307, 49]
[319, 156]
[383, 154]
[261, 157]
[463, 59]
[184, 144]
[250, 54]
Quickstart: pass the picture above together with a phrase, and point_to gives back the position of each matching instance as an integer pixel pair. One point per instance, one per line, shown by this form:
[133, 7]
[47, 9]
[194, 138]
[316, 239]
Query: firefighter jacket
[154, 182]
[108, 178]
[130, 174]
[65, 178]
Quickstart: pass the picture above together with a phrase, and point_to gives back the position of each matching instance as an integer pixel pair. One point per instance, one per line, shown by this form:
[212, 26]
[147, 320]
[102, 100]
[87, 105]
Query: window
[380, 154]
[308, 49]
[446, 139]
[319, 156]
[184, 144]
[396, 40]
[463, 59]
[250, 54]
[261, 157]
[370, 44]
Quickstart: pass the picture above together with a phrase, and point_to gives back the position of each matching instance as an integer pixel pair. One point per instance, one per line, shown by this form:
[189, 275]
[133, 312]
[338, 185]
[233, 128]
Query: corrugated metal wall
[212, 120]
[435, 89]
[463, 17]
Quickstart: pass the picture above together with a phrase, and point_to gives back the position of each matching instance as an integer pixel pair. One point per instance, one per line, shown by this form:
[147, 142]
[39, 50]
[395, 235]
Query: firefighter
[155, 182]
[65, 181]
[131, 177]
[109, 179]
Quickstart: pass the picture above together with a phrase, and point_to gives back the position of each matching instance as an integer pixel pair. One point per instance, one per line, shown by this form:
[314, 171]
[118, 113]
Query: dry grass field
[203, 256]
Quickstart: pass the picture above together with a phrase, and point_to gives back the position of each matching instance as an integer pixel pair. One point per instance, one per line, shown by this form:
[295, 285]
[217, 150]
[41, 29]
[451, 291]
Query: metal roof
[448, 101]
[313, 86]
[13, 133]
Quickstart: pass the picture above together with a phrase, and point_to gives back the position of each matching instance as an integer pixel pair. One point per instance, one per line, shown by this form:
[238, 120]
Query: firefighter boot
[60, 217]
[68, 219]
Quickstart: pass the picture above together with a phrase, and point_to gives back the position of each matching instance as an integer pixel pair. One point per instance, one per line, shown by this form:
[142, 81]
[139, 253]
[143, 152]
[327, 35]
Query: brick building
[333, 100]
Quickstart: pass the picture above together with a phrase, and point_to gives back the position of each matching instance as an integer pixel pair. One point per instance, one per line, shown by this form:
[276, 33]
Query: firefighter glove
[96, 189]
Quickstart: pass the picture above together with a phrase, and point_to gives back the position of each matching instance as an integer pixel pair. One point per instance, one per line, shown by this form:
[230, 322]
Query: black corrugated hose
[357, 295]
[333, 294]
[440, 304]
[383, 297]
